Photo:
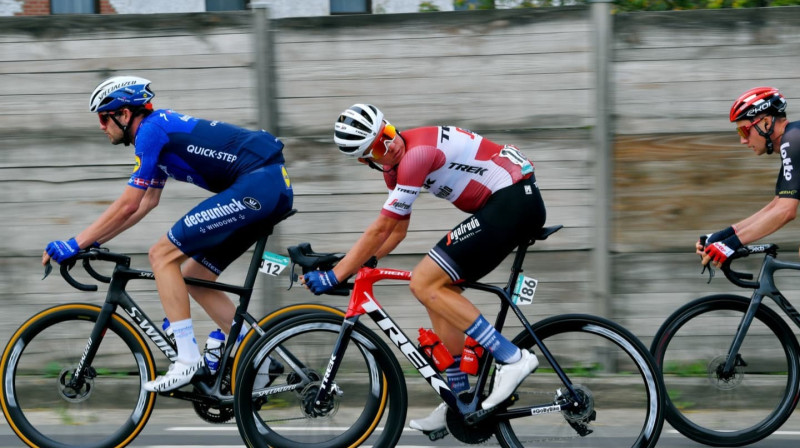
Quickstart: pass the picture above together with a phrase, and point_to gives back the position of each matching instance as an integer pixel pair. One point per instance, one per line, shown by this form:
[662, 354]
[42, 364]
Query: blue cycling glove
[61, 251]
[320, 282]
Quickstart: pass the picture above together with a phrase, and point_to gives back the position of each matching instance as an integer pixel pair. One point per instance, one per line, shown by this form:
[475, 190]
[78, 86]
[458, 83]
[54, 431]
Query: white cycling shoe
[508, 376]
[178, 375]
[435, 421]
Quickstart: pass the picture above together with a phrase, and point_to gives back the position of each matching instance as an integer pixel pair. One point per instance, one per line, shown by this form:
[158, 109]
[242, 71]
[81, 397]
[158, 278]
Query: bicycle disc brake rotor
[312, 410]
[74, 394]
[724, 381]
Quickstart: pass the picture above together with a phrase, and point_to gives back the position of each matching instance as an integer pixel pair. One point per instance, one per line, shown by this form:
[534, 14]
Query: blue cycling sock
[487, 336]
[456, 379]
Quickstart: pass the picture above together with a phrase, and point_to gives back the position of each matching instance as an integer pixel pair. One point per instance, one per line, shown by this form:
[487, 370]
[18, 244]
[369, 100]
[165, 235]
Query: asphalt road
[169, 428]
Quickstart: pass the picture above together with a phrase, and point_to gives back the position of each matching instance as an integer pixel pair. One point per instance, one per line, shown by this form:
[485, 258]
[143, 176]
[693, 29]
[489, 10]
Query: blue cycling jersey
[209, 154]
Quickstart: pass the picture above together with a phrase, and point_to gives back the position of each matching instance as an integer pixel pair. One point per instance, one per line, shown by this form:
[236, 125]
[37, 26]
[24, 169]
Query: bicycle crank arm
[436, 435]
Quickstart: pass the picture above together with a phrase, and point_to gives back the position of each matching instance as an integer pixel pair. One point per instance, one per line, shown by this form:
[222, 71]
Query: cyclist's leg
[216, 303]
[166, 259]
[222, 227]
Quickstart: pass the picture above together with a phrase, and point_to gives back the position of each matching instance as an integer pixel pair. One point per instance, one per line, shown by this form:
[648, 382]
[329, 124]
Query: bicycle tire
[109, 412]
[606, 363]
[372, 384]
[734, 411]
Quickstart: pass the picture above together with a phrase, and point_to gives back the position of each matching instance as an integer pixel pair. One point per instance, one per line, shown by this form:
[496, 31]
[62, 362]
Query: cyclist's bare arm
[367, 245]
[397, 236]
[149, 202]
[768, 220]
[112, 219]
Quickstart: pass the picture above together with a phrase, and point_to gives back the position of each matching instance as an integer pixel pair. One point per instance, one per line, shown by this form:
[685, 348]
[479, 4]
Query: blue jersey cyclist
[760, 118]
[243, 167]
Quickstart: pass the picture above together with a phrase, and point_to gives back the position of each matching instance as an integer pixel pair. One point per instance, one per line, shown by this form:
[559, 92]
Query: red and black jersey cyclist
[760, 117]
[493, 182]
[243, 168]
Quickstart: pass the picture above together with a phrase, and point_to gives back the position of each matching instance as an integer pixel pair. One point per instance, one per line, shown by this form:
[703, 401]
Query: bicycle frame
[362, 301]
[118, 297]
[764, 287]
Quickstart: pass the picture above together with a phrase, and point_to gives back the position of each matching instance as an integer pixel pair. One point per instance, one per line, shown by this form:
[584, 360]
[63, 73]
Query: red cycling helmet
[756, 101]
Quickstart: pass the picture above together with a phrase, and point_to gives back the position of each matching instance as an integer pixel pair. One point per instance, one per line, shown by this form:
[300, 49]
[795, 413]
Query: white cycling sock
[188, 352]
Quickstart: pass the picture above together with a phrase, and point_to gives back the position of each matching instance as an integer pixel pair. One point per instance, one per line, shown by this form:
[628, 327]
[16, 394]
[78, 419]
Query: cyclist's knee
[163, 253]
[427, 285]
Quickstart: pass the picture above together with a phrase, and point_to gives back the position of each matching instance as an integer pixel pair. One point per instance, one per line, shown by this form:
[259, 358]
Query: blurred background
[623, 110]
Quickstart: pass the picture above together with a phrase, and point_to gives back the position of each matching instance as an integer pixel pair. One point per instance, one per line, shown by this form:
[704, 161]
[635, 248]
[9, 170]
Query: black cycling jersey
[788, 184]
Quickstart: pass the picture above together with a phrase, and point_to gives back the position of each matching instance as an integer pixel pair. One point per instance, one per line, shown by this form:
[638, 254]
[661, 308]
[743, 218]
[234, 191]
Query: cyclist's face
[748, 134]
[395, 149]
[109, 126]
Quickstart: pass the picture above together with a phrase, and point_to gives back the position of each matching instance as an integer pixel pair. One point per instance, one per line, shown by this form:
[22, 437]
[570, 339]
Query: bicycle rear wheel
[372, 390]
[610, 369]
[109, 410]
[691, 348]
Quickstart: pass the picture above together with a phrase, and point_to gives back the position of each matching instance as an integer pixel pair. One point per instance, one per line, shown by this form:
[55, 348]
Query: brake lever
[48, 268]
[292, 277]
[710, 271]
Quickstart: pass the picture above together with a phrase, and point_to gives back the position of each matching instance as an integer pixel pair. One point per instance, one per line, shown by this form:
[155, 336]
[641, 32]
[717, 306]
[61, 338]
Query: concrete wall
[518, 76]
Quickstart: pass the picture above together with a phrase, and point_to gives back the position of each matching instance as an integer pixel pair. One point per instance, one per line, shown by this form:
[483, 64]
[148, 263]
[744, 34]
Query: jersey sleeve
[146, 173]
[788, 184]
[411, 173]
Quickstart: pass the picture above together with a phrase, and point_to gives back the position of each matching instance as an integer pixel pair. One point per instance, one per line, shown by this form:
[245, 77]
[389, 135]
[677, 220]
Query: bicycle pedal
[436, 435]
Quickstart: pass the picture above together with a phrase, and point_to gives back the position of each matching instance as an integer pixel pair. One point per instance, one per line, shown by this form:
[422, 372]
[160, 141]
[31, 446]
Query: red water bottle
[435, 350]
[470, 356]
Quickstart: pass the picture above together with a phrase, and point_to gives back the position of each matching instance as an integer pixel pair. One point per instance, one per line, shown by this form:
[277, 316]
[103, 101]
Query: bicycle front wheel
[370, 390]
[612, 372]
[108, 409]
[709, 406]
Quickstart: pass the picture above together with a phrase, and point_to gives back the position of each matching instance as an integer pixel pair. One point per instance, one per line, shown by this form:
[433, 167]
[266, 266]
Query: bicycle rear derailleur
[578, 414]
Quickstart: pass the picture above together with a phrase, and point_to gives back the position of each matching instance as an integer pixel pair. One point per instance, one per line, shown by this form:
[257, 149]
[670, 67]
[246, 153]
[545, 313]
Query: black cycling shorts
[480, 243]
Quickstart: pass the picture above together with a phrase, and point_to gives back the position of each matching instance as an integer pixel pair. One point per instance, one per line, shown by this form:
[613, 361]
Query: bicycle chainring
[466, 433]
[214, 413]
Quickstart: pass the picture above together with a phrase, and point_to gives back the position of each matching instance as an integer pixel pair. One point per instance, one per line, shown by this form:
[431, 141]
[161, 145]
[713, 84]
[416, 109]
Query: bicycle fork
[83, 370]
[734, 359]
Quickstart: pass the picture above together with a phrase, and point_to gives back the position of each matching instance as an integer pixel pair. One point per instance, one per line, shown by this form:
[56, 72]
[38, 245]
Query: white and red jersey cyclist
[454, 164]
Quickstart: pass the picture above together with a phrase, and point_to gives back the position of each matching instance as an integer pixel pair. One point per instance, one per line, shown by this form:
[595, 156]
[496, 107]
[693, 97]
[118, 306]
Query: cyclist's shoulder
[791, 133]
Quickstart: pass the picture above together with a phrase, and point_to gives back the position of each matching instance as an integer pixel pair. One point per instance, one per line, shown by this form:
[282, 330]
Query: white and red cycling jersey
[454, 164]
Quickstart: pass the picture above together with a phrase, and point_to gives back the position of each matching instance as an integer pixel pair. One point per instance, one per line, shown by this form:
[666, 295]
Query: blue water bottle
[213, 351]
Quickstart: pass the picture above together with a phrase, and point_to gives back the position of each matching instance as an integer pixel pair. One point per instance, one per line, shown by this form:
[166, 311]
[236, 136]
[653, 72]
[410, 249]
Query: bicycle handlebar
[86, 255]
[308, 260]
[744, 279]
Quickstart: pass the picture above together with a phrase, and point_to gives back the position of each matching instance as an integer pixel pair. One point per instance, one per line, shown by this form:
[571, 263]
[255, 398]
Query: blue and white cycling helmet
[120, 91]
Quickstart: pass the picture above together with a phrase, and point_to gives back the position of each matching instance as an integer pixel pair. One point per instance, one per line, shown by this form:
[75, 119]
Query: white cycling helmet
[120, 91]
[356, 129]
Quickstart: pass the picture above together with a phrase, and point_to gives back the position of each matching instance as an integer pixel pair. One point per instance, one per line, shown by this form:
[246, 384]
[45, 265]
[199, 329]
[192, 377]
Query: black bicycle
[596, 384]
[72, 374]
[731, 364]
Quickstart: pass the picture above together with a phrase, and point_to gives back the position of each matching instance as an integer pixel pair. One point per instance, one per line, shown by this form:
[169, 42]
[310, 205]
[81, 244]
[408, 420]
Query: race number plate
[273, 264]
[524, 291]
